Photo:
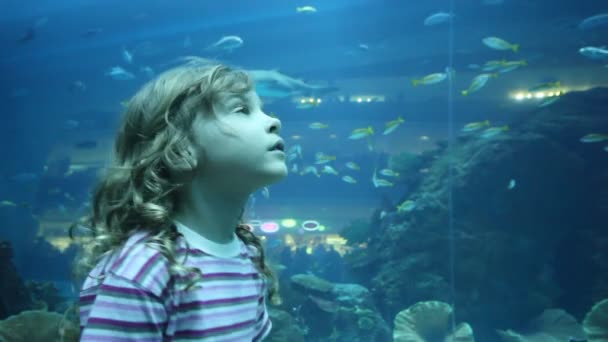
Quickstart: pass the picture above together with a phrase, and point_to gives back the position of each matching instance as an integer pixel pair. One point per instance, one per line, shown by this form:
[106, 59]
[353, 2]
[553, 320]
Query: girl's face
[235, 148]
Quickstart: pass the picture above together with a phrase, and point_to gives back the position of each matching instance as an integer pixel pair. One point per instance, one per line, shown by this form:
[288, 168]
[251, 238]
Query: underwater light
[288, 223]
[269, 227]
[540, 95]
[310, 225]
[367, 98]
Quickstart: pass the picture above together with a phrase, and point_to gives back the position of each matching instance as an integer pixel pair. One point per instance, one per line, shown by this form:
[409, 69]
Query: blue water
[55, 93]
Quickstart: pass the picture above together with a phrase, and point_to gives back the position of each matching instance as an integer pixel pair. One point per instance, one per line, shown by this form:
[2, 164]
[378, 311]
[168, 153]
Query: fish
[127, 56]
[388, 173]
[406, 206]
[306, 9]
[594, 137]
[430, 79]
[295, 150]
[6, 203]
[512, 184]
[594, 21]
[273, 84]
[378, 182]
[318, 125]
[349, 179]
[360, 133]
[437, 18]
[478, 82]
[507, 66]
[493, 131]
[310, 169]
[474, 126]
[594, 52]
[392, 125]
[329, 170]
[499, 44]
[226, 43]
[322, 158]
[266, 192]
[492, 65]
[352, 166]
[120, 74]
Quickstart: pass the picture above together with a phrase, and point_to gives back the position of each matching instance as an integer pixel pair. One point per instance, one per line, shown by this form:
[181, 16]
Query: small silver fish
[437, 18]
[594, 52]
[227, 43]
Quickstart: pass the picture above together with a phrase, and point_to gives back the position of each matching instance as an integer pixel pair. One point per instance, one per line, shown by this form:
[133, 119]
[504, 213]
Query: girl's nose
[275, 125]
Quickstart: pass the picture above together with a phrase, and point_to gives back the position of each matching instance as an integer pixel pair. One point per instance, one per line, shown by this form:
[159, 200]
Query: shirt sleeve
[124, 311]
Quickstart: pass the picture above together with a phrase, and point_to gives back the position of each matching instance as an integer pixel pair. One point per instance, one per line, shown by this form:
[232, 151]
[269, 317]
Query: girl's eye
[243, 110]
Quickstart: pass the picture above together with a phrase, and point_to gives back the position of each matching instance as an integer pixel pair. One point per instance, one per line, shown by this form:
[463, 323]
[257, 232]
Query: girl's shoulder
[137, 262]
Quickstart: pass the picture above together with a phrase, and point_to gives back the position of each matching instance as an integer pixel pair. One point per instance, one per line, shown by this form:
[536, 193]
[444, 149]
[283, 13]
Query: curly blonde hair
[139, 190]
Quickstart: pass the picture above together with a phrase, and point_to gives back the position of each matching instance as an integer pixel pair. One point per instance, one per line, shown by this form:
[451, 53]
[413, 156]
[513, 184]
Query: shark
[274, 84]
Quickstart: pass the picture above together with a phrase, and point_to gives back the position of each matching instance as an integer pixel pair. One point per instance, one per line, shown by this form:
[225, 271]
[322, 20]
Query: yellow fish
[406, 206]
[360, 133]
[318, 125]
[349, 179]
[499, 44]
[352, 166]
[474, 126]
[392, 125]
[322, 158]
[478, 82]
[430, 79]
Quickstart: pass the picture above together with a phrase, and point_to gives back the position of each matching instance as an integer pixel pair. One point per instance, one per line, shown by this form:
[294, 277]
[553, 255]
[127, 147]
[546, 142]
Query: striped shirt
[137, 299]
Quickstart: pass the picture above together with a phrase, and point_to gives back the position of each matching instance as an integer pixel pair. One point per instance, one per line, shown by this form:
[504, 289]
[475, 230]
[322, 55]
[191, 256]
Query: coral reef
[38, 326]
[14, 296]
[429, 321]
[338, 312]
[284, 328]
[553, 325]
[595, 324]
[518, 249]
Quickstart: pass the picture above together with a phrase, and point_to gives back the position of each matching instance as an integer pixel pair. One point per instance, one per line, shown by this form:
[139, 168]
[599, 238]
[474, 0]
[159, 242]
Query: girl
[168, 259]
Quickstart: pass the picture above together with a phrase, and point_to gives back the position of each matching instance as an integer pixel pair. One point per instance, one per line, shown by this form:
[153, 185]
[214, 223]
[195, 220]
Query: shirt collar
[196, 240]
